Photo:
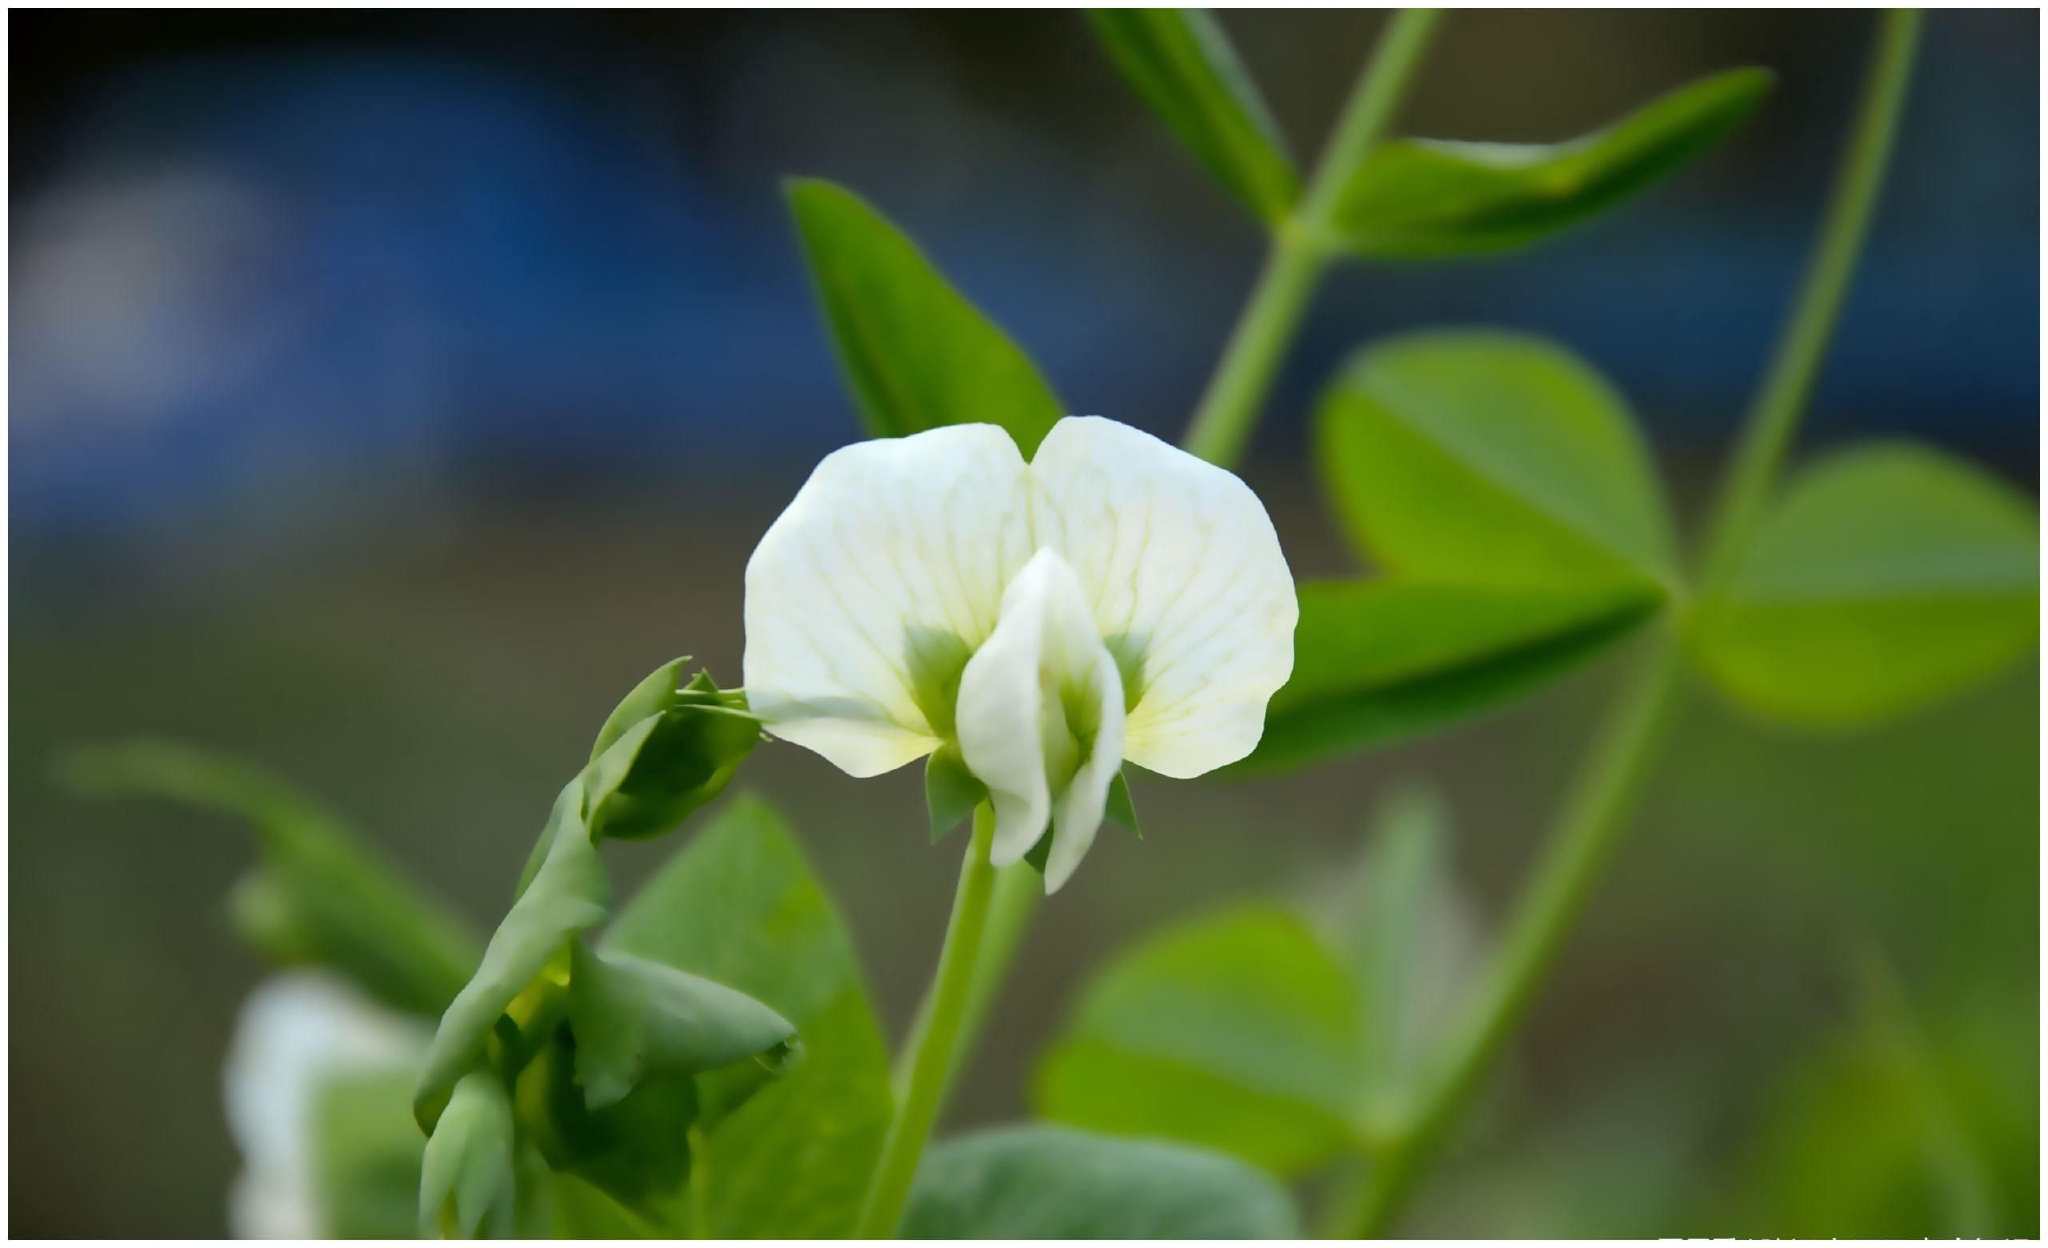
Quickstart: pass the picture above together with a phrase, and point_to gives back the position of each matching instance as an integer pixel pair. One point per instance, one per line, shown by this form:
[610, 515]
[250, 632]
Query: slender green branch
[1599, 802]
[931, 1069]
[1019, 891]
[1795, 367]
[1301, 250]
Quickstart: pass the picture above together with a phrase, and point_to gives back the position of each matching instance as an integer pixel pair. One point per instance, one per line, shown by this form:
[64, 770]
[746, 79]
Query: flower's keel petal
[867, 594]
[1079, 811]
[1188, 583]
[1036, 717]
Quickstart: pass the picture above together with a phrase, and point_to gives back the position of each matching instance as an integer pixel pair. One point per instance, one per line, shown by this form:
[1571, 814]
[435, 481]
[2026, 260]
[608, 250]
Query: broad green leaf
[915, 353]
[1488, 458]
[1052, 1183]
[1404, 932]
[633, 1018]
[1237, 1031]
[738, 905]
[1377, 662]
[1426, 199]
[567, 896]
[319, 897]
[365, 1154]
[1182, 63]
[1887, 577]
[466, 1174]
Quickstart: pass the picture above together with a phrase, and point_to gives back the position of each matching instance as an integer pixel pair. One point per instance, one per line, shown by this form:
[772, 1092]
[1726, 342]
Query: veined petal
[1188, 585]
[869, 591]
[1040, 714]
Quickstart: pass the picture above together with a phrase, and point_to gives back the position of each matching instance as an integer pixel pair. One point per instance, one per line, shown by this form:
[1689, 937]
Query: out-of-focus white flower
[297, 1032]
[1114, 598]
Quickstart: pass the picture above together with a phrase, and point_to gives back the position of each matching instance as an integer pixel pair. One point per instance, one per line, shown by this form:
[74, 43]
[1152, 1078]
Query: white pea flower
[295, 1033]
[1113, 599]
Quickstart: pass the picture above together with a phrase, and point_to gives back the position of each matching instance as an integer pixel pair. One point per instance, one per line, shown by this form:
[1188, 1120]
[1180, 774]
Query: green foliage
[1887, 577]
[738, 905]
[633, 1018]
[319, 896]
[365, 1155]
[1053, 1183]
[1489, 458]
[1428, 199]
[1238, 1031]
[1182, 63]
[569, 895]
[1381, 661]
[466, 1175]
[1403, 932]
[1250, 1032]
[915, 353]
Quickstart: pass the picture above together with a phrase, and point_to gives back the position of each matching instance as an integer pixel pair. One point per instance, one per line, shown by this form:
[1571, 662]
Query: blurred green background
[391, 392]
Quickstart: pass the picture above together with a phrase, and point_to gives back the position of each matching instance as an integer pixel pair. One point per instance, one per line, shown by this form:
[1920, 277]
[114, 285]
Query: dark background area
[390, 391]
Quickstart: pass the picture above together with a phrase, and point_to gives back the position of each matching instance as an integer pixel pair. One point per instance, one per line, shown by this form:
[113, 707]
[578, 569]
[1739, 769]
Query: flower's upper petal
[888, 565]
[1029, 715]
[1189, 587]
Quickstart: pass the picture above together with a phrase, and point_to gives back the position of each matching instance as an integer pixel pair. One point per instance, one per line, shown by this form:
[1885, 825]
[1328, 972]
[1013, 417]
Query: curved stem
[1300, 251]
[1795, 366]
[931, 1069]
[1599, 802]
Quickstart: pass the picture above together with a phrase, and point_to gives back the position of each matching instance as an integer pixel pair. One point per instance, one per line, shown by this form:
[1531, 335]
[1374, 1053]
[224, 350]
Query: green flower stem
[931, 1068]
[1301, 248]
[1599, 802]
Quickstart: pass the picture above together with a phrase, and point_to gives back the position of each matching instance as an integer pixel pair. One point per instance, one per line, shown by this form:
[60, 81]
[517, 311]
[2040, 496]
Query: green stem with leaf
[1301, 248]
[937, 1042]
[1599, 801]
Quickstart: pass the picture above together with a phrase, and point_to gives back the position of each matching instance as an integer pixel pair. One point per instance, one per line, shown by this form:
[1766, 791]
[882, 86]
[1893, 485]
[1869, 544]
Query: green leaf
[1407, 938]
[633, 1018]
[320, 896]
[1888, 577]
[1428, 199]
[1488, 458]
[1182, 63]
[1238, 1031]
[1051, 1183]
[638, 1149]
[950, 790]
[1376, 662]
[366, 1153]
[916, 354]
[567, 896]
[738, 905]
[466, 1174]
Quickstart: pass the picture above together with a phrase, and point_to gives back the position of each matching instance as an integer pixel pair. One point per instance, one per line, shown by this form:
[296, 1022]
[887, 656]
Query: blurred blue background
[389, 391]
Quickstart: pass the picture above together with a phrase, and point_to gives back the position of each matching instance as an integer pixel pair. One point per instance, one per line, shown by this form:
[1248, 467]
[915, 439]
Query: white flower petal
[1184, 572]
[1042, 664]
[892, 545]
[295, 1032]
[1078, 815]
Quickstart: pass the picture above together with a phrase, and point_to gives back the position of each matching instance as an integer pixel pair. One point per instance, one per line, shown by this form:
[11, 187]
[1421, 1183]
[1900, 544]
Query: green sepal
[467, 1180]
[1120, 809]
[633, 1018]
[664, 752]
[951, 792]
[636, 1150]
